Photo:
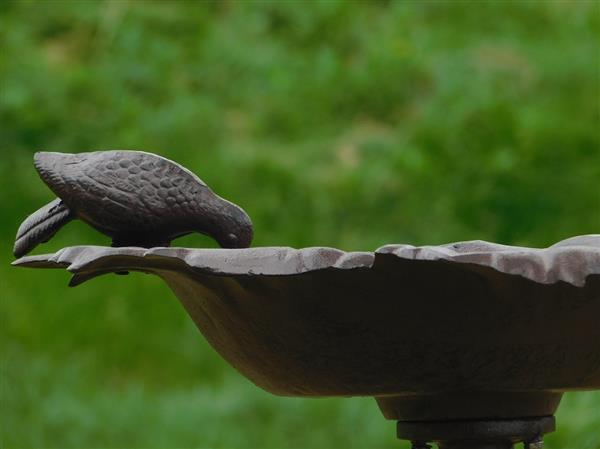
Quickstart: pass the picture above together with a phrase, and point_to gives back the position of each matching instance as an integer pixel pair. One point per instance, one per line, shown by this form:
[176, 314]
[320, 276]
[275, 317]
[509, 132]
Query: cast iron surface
[136, 198]
[469, 330]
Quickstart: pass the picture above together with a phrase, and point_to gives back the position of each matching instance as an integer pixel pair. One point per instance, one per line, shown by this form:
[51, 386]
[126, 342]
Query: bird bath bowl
[467, 345]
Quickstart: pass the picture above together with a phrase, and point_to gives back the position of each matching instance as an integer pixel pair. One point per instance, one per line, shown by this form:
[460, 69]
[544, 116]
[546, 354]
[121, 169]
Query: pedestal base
[469, 406]
[486, 434]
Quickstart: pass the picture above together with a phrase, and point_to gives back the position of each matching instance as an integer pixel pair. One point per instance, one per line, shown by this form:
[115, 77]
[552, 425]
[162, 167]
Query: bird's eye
[232, 238]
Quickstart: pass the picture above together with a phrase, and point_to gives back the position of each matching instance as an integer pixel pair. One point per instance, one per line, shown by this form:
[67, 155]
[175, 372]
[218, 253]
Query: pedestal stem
[485, 434]
[475, 445]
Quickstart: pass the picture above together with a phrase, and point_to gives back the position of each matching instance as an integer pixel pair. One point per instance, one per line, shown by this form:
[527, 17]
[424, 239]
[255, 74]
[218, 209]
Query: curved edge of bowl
[572, 260]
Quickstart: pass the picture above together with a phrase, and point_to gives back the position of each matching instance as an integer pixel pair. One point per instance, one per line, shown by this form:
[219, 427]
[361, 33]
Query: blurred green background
[347, 124]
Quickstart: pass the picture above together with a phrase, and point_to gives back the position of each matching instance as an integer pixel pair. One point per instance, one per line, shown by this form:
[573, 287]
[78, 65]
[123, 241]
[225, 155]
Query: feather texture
[136, 198]
[40, 226]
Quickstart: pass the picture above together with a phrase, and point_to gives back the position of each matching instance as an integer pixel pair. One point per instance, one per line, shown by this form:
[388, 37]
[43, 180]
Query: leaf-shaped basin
[457, 331]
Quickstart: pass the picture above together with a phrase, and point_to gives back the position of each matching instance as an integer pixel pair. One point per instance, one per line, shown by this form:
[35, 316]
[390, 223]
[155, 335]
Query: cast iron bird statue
[136, 198]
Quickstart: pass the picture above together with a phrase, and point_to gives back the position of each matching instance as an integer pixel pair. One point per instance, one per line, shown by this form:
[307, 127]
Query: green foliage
[348, 124]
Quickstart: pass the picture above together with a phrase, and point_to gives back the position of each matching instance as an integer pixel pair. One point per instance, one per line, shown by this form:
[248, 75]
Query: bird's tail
[40, 226]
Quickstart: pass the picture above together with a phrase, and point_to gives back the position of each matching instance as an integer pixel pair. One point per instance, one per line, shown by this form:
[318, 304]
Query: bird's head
[235, 229]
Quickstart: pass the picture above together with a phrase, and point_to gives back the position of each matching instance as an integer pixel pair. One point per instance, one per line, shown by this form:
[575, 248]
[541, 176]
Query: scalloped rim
[570, 261]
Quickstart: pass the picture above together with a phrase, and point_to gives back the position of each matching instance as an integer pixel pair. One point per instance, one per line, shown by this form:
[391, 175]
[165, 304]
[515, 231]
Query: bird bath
[467, 345]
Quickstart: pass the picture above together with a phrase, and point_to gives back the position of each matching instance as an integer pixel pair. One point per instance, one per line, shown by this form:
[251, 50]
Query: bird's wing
[97, 194]
[121, 189]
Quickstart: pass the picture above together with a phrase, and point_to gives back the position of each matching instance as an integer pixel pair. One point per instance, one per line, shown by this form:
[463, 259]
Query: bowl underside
[465, 330]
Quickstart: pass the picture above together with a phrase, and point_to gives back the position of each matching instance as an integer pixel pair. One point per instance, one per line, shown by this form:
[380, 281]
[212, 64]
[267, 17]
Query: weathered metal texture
[470, 330]
[134, 197]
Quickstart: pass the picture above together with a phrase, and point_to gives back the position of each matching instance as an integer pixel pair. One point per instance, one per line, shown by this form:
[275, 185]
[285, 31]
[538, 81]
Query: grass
[348, 124]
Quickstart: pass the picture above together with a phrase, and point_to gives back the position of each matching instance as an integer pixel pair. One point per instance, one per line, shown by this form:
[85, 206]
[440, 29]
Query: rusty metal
[469, 345]
[509, 329]
[136, 198]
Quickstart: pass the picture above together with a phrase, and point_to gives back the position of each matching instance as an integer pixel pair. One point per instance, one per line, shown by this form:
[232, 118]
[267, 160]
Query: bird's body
[136, 198]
